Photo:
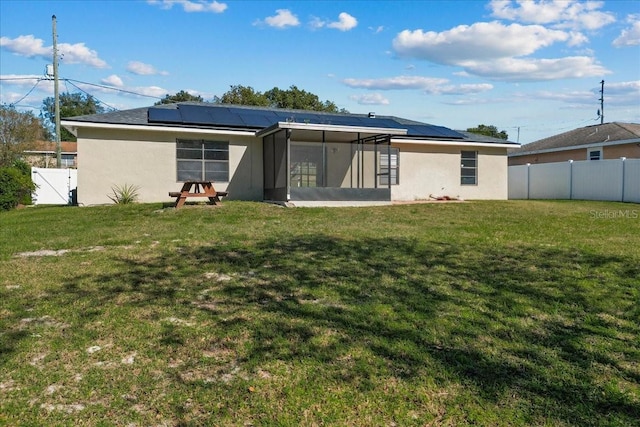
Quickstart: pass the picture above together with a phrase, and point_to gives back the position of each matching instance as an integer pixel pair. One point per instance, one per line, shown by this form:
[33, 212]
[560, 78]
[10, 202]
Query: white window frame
[466, 167]
[387, 173]
[598, 150]
[207, 157]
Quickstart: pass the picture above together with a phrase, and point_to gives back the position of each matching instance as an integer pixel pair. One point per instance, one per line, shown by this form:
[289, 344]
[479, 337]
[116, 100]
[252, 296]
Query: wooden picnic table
[197, 189]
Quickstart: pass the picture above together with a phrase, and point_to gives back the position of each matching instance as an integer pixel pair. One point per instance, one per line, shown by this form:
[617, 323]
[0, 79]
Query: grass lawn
[247, 314]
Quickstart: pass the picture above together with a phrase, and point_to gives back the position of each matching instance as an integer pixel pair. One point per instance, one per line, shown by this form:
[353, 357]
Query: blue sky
[531, 68]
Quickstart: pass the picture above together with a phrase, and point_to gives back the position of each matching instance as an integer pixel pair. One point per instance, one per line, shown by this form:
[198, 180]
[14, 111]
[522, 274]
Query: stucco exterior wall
[147, 159]
[435, 170]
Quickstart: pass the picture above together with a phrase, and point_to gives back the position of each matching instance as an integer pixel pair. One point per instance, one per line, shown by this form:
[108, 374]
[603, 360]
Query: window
[469, 168]
[389, 167]
[594, 153]
[202, 160]
[304, 174]
[306, 165]
[68, 160]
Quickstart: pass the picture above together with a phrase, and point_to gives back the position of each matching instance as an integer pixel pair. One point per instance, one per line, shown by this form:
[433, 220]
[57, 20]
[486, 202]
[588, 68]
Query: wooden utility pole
[602, 102]
[56, 94]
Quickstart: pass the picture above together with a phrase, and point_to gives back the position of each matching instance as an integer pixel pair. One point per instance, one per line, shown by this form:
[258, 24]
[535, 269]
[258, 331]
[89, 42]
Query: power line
[39, 79]
[22, 78]
[28, 93]
[115, 89]
[93, 96]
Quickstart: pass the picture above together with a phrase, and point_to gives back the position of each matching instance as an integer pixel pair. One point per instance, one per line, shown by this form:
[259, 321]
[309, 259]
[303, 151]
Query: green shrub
[124, 195]
[16, 186]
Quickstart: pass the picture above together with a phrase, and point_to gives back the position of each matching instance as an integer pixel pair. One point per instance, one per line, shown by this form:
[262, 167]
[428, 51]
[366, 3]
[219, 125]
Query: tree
[16, 185]
[182, 96]
[299, 99]
[19, 131]
[71, 105]
[292, 98]
[489, 131]
[242, 95]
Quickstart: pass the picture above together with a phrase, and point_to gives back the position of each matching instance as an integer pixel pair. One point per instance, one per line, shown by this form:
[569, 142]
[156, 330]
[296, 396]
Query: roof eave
[454, 142]
[73, 126]
[329, 128]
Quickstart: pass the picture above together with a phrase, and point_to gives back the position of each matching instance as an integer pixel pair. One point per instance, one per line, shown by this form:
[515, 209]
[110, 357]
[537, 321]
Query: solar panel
[194, 114]
[224, 117]
[164, 115]
[255, 118]
[432, 131]
[243, 117]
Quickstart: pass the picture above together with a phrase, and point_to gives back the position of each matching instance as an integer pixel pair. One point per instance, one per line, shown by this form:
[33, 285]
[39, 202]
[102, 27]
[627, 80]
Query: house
[43, 155]
[597, 142]
[266, 154]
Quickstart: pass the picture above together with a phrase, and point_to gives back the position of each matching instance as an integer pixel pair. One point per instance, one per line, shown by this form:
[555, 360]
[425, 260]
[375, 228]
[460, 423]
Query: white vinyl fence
[53, 186]
[613, 180]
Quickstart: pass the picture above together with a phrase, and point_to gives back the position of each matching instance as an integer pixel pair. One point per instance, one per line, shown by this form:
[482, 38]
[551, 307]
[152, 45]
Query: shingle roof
[136, 116]
[607, 132]
[209, 115]
[484, 138]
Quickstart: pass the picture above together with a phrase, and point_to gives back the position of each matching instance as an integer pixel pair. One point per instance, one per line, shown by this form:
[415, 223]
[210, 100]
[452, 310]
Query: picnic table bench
[197, 189]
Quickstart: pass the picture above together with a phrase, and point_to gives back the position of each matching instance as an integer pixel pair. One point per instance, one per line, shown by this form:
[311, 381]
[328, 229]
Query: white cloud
[345, 22]
[191, 6]
[499, 52]
[399, 82]
[377, 30]
[142, 69]
[482, 40]
[621, 93]
[282, 19]
[30, 47]
[317, 23]
[156, 91]
[629, 36]
[429, 85]
[618, 93]
[370, 99]
[572, 14]
[113, 80]
[80, 54]
[515, 69]
[576, 39]
[463, 89]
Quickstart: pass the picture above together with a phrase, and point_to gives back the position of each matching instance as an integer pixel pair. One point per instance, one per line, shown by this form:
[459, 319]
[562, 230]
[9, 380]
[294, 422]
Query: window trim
[385, 177]
[203, 161]
[464, 168]
[598, 150]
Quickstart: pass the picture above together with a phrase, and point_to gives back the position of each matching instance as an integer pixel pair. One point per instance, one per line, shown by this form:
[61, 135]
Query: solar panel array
[258, 118]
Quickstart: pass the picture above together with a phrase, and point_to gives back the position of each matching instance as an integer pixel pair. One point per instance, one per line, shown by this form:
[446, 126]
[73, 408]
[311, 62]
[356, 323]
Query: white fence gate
[613, 180]
[53, 186]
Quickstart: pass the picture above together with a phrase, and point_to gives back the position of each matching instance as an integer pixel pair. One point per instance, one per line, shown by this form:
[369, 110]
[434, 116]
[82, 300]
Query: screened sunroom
[315, 162]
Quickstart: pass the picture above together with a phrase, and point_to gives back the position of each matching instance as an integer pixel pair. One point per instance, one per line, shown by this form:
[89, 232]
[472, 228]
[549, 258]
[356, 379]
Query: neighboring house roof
[614, 133]
[484, 138]
[261, 119]
[47, 147]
